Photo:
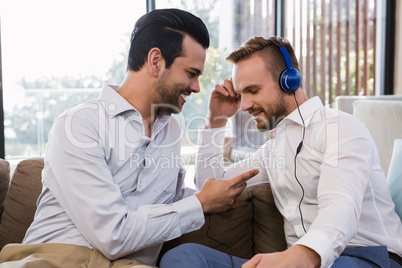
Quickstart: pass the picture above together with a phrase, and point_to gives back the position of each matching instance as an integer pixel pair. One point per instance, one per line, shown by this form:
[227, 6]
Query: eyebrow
[198, 72]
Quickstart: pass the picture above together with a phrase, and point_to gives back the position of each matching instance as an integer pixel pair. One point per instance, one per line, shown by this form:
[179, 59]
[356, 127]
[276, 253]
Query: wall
[398, 51]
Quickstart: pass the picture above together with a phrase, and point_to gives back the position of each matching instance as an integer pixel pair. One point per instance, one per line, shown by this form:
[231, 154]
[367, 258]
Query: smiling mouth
[184, 96]
[256, 115]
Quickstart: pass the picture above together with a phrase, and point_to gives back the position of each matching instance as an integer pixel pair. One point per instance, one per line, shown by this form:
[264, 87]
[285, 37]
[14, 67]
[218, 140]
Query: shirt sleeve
[182, 191]
[210, 162]
[344, 176]
[79, 177]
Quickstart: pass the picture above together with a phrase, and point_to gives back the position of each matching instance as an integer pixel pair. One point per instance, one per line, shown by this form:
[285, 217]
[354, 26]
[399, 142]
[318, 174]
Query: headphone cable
[295, 173]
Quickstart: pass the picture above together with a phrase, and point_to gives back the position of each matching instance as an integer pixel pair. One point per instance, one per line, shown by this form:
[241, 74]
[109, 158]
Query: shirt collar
[307, 109]
[114, 103]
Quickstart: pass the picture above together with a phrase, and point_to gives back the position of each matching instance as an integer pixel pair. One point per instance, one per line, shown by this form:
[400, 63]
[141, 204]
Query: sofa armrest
[4, 183]
[20, 203]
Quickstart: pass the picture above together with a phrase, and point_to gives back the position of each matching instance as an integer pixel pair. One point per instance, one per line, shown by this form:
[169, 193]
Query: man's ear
[155, 61]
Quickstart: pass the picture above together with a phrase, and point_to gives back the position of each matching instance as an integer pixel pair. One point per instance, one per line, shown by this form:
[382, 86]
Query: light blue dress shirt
[106, 185]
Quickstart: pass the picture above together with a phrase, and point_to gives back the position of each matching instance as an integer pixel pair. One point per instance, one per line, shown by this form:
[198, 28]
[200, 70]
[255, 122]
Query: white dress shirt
[346, 198]
[106, 185]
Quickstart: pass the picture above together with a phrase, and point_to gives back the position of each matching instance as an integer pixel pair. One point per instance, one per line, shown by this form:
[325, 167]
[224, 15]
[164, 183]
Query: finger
[242, 186]
[227, 84]
[222, 90]
[237, 199]
[208, 181]
[239, 189]
[236, 181]
[253, 262]
[234, 205]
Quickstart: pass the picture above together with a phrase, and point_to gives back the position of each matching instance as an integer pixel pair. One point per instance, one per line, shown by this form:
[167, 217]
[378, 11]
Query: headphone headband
[286, 58]
[290, 79]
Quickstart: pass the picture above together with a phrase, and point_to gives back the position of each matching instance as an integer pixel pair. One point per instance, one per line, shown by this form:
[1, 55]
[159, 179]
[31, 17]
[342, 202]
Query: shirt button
[111, 107]
[193, 226]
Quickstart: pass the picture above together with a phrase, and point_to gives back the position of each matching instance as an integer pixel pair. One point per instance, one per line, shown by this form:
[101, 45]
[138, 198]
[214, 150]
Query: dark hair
[164, 29]
[268, 50]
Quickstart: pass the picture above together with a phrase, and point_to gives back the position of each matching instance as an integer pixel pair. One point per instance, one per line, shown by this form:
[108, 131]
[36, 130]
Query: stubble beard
[272, 115]
[167, 96]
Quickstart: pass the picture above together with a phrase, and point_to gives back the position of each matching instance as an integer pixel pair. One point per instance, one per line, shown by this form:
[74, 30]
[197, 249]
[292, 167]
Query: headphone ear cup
[290, 80]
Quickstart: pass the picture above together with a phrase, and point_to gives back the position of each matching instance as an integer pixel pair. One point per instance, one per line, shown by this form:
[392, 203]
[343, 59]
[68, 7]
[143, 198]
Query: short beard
[277, 114]
[167, 101]
[166, 97]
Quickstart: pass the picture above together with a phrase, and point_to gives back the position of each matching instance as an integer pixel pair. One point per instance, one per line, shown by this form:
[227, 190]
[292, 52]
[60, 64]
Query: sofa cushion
[20, 203]
[383, 120]
[394, 178]
[229, 232]
[4, 182]
[268, 229]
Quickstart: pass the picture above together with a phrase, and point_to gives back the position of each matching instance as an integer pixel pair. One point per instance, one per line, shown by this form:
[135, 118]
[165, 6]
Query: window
[335, 42]
[56, 54]
[230, 23]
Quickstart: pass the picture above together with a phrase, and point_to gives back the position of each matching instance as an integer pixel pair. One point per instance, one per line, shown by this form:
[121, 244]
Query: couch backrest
[383, 118]
[345, 103]
[255, 226]
[4, 183]
[20, 202]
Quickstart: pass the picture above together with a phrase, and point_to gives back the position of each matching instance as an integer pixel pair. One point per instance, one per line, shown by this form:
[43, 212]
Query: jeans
[198, 256]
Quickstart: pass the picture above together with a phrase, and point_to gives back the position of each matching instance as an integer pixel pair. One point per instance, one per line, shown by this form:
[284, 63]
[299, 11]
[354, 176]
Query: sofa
[255, 226]
[382, 115]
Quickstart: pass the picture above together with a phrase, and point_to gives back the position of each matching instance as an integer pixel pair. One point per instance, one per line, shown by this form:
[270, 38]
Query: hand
[223, 104]
[297, 256]
[220, 195]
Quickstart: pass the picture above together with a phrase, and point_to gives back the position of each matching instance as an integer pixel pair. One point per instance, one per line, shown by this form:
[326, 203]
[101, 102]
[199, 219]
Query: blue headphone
[290, 79]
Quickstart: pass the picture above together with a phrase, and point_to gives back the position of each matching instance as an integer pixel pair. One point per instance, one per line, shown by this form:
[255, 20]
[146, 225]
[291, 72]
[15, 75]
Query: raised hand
[220, 195]
[223, 104]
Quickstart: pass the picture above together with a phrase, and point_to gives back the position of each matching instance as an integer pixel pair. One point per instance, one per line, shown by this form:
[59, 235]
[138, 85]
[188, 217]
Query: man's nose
[246, 104]
[195, 86]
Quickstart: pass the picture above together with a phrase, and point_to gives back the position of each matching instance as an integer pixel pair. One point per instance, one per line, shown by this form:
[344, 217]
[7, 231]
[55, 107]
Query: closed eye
[192, 74]
[251, 89]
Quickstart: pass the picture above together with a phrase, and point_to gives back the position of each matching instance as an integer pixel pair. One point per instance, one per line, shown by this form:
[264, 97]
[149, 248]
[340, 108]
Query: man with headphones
[322, 165]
